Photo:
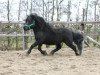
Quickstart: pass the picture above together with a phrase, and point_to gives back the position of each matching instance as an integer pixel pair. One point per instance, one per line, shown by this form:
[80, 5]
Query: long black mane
[41, 22]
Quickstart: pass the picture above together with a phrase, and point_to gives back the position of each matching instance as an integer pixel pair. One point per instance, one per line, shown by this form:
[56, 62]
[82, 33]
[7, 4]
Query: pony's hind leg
[80, 46]
[42, 52]
[72, 47]
[32, 46]
[58, 47]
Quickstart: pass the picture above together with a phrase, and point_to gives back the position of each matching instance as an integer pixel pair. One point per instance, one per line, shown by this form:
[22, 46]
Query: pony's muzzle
[26, 28]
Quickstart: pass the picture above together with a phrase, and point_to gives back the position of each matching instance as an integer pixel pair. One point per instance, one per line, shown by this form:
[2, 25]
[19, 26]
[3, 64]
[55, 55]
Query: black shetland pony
[45, 34]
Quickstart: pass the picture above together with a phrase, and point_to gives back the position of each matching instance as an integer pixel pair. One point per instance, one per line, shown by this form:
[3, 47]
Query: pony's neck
[36, 30]
[46, 28]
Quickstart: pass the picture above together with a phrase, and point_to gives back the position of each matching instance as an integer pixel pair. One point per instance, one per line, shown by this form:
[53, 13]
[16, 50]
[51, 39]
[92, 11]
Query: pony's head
[32, 21]
[29, 23]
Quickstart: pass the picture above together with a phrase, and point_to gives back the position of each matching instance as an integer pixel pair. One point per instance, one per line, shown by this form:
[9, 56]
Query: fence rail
[2, 35]
[15, 29]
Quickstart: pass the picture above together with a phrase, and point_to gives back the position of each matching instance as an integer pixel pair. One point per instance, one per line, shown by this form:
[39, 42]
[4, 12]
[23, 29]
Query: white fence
[21, 33]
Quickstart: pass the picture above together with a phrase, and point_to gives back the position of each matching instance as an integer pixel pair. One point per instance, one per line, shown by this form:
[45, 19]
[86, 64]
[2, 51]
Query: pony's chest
[39, 36]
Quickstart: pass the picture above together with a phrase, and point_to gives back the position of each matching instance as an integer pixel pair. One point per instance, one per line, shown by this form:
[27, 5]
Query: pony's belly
[52, 42]
[49, 43]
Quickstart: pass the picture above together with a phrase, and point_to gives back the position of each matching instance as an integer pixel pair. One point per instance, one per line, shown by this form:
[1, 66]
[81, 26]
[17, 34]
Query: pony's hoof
[44, 53]
[51, 54]
[78, 54]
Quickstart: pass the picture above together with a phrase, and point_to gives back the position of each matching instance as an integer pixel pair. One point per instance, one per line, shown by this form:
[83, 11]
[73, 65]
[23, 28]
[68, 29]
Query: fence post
[82, 28]
[24, 40]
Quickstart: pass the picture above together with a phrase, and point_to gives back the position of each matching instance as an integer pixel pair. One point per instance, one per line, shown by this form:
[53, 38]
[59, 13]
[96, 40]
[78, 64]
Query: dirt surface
[64, 62]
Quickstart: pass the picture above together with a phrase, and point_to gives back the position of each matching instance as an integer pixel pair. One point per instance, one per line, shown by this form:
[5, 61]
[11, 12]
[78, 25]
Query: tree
[87, 9]
[58, 4]
[8, 11]
[19, 11]
[52, 17]
[43, 7]
[69, 11]
[31, 6]
[77, 15]
[95, 9]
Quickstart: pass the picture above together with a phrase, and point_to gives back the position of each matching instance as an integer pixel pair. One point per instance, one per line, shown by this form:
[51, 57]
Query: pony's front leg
[42, 52]
[32, 46]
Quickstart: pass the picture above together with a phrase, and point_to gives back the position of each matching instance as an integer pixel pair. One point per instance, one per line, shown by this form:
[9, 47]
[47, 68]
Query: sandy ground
[64, 62]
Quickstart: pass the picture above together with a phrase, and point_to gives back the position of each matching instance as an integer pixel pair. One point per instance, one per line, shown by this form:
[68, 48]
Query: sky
[14, 11]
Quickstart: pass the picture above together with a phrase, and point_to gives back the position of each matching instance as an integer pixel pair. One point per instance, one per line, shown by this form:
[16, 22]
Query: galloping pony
[45, 34]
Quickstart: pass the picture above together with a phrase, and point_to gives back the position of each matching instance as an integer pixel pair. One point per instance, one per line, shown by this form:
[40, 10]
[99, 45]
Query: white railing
[55, 23]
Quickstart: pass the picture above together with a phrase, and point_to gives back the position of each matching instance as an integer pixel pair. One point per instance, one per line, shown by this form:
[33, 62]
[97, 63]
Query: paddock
[13, 60]
[63, 62]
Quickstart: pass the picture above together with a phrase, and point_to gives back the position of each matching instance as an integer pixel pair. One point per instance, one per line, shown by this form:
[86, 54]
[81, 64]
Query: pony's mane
[41, 22]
